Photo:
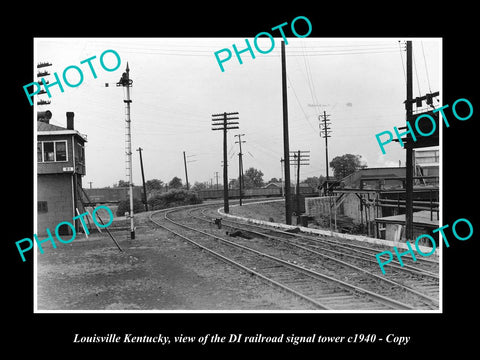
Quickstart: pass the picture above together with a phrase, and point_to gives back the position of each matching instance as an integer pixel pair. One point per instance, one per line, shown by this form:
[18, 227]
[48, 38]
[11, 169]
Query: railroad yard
[170, 244]
[182, 260]
[256, 183]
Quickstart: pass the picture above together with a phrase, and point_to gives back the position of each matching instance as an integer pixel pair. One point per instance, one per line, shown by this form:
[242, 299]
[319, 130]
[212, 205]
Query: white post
[129, 158]
[84, 230]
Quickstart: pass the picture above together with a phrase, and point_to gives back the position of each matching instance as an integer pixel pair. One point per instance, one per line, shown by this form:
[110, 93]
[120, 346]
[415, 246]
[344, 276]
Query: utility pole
[302, 158]
[216, 176]
[409, 149]
[408, 143]
[325, 132]
[286, 147]
[186, 172]
[126, 82]
[224, 122]
[240, 165]
[90, 183]
[282, 179]
[143, 180]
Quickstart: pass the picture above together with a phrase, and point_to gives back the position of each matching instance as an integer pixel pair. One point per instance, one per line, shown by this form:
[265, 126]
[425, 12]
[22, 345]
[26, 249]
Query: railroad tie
[239, 234]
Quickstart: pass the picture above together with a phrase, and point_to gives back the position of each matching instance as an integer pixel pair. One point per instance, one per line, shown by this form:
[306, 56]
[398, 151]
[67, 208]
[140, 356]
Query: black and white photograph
[308, 213]
[297, 181]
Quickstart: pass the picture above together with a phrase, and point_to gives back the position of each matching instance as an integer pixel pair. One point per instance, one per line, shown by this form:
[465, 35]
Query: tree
[175, 183]
[199, 186]
[253, 178]
[124, 206]
[234, 184]
[121, 183]
[153, 185]
[173, 197]
[346, 164]
[314, 182]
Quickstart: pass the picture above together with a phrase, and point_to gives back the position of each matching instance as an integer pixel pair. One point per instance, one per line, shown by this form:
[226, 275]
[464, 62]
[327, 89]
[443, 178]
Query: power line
[309, 52]
[403, 65]
[416, 75]
[299, 104]
[309, 77]
[426, 68]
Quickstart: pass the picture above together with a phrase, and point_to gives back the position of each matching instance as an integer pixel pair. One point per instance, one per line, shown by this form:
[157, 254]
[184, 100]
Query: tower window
[51, 151]
[42, 207]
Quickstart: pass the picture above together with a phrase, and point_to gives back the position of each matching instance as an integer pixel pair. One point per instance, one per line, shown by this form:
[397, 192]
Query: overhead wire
[426, 67]
[403, 64]
[416, 75]
[308, 71]
[300, 105]
[319, 50]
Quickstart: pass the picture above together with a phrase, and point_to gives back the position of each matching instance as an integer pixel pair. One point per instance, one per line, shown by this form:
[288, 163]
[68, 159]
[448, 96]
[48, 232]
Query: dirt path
[157, 271]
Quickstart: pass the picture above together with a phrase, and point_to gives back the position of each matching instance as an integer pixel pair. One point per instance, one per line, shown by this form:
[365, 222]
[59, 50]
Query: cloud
[384, 162]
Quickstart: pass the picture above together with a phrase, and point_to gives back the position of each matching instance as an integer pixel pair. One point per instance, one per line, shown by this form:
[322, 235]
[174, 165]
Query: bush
[124, 206]
[173, 198]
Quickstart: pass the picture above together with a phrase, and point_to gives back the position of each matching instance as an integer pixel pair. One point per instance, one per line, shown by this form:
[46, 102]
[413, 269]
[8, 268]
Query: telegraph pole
[143, 180]
[224, 122]
[409, 150]
[282, 178]
[126, 82]
[302, 158]
[326, 134]
[286, 147]
[240, 165]
[216, 176]
[186, 172]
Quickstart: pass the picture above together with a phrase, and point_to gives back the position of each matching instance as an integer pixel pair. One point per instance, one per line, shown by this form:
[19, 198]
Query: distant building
[304, 187]
[274, 185]
[357, 201]
[392, 227]
[427, 161]
[112, 195]
[60, 167]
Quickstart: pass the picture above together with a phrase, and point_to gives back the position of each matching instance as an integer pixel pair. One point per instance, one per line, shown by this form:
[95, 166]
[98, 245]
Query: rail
[280, 263]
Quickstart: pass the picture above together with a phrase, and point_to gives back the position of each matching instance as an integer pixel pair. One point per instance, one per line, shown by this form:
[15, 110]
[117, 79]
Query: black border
[431, 333]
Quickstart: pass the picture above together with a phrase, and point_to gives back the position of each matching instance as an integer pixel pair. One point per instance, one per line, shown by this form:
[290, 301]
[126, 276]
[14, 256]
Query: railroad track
[411, 285]
[317, 288]
[423, 267]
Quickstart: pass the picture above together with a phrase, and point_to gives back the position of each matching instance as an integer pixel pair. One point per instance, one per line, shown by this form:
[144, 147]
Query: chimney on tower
[70, 116]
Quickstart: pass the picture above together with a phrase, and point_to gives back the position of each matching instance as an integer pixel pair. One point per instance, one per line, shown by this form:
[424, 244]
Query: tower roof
[43, 126]
[49, 129]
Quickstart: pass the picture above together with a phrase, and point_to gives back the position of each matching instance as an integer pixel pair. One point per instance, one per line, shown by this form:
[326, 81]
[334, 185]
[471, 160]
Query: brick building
[60, 167]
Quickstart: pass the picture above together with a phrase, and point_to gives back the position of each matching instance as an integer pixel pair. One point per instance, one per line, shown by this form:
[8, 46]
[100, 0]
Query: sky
[178, 85]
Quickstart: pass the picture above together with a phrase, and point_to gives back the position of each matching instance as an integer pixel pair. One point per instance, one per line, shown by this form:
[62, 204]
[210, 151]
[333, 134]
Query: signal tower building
[60, 167]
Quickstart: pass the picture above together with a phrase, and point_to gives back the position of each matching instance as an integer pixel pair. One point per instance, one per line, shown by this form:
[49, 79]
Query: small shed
[393, 227]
